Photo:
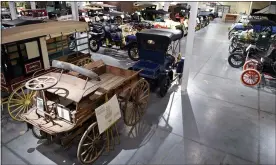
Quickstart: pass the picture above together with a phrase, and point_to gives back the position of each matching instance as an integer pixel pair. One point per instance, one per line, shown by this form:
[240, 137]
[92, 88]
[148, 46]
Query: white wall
[241, 7]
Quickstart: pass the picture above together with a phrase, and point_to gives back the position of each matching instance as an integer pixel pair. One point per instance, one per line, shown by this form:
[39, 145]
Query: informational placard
[32, 67]
[108, 113]
[63, 112]
[40, 106]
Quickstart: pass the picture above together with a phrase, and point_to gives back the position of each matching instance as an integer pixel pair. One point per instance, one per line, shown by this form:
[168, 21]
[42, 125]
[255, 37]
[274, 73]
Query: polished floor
[219, 121]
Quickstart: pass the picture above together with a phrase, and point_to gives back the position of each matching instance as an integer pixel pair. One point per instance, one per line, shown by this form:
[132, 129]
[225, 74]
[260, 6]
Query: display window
[22, 58]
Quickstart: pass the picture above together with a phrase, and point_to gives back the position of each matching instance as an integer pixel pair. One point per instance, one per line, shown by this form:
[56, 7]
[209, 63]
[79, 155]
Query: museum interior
[137, 82]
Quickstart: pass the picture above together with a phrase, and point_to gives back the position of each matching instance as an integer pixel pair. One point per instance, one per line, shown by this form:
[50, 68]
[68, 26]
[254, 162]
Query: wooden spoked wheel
[20, 100]
[251, 64]
[84, 61]
[250, 77]
[91, 145]
[136, 103]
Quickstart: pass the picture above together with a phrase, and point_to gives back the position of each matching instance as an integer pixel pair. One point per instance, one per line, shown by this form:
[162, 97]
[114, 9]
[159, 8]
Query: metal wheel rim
[93, 44]
[72, 45]
[250, 77]
[134, 52]
[20, 100]
[136, 103]
[87, 148]
[235, 62]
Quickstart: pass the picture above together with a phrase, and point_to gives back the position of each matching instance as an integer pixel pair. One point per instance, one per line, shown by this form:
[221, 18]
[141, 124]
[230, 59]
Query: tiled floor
[219, 121]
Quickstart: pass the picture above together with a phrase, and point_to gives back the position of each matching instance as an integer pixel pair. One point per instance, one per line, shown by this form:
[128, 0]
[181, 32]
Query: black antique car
[111, 11]
[160, 63]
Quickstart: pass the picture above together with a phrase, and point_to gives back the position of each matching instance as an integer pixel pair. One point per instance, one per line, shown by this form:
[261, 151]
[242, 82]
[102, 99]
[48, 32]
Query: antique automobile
[5, 15]
[26, 50]
[109, 10]
[159, 59]
[257, 25]
[255, 70]
[58, 13]
[209, 14]
[249, 37]
[161, 19]
[90, 14]
[255, 49]
[112, 36]
[179, 11]
[68, 101]
[141, 25]
[34, 14]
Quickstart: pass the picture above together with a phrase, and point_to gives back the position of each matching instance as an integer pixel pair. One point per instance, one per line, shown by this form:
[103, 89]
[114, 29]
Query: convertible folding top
[172, 34]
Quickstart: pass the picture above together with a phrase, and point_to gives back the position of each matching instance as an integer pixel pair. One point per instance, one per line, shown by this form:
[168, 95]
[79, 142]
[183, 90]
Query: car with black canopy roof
[160, 61]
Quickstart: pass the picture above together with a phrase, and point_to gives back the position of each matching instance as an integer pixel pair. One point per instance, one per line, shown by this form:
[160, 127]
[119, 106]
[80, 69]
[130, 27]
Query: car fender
[130, 43]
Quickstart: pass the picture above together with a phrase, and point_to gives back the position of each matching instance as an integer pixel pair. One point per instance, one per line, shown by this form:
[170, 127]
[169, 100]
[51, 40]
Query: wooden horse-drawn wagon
[66, 101]
[30, 49]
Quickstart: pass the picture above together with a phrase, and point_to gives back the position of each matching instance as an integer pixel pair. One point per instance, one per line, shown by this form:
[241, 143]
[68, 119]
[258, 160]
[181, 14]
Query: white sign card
[108, 113]
[40, 106]
[63, 112]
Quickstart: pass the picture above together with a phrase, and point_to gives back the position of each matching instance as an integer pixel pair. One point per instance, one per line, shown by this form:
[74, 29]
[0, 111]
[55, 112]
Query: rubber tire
[98, 46]
[164, 86]
[229, 33]
[36, 135]
[129, 54]
[252, 70]
[236, 66]
[74, 46]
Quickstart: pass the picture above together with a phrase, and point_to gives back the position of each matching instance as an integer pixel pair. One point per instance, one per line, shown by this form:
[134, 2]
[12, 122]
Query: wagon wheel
[91, 145]
[136, 103]
[250, 77]
[251, 64]
[84, 61]
[20, 100]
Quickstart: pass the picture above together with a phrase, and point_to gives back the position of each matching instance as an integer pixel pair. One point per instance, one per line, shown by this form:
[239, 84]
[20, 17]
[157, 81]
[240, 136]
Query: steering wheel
[41, 83]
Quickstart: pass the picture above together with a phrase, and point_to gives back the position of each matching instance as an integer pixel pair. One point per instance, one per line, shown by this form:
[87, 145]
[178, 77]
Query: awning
[53, 29]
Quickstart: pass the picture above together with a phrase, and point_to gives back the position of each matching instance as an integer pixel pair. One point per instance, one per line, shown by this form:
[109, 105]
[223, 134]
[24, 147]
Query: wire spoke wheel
[136, 103]
[20, 100]
[84, 61]
[236, 60]
[72, 44]
[91, 145]
[133, 52]
[251, 64]
[250, 77]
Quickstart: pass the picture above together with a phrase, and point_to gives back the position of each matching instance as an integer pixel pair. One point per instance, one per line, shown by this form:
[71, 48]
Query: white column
[75, 10]
[250, 8]
[33, 6]
[189, 45]
[12, 8]
[166, 6]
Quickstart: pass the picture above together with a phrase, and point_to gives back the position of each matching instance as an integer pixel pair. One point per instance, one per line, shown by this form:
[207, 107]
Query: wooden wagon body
[81, 97]
[27, 52]
[30, 48]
